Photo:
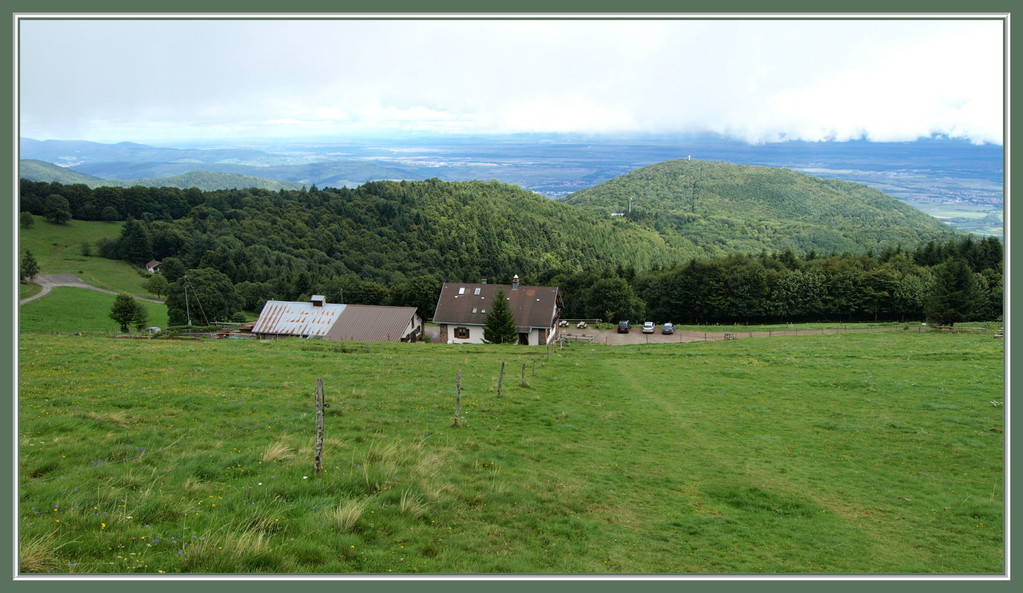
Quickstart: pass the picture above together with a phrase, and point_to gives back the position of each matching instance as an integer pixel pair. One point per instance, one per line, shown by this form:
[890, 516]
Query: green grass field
[69, 310]
[58, 249]
[858, 453]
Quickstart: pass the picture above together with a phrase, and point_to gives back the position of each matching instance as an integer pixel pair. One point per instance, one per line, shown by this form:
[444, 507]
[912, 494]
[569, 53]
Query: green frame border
[651, 8]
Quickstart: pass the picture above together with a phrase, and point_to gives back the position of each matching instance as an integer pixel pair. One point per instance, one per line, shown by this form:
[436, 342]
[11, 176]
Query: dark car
[624, 327]
[668, 329]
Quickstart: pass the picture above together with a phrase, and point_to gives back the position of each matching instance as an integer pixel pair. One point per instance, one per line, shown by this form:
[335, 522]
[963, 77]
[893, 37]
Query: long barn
[334, 321]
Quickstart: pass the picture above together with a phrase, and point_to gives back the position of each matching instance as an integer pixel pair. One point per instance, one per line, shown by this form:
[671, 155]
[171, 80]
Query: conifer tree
[957, 293]
[499, 326]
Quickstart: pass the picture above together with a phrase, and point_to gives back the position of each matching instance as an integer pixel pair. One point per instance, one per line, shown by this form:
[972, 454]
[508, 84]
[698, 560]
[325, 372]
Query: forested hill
[42, 171]
[384, 232]
[727, 208]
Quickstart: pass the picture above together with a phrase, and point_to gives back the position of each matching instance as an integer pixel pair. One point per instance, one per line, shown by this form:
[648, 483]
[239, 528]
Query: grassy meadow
[58, 249]
[69, 310]
[858, 453]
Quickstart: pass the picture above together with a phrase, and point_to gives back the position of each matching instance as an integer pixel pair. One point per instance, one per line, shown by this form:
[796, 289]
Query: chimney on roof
[483, 280]
[515, 282]
[318, 300]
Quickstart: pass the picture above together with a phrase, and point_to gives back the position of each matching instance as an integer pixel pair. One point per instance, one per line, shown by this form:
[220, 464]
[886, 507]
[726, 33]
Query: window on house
[462, 333]
[461, 290]
[477, 291]
[475, 310]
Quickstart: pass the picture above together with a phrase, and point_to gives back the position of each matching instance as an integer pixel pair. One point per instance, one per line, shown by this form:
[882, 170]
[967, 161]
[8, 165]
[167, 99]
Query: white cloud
[759, 80]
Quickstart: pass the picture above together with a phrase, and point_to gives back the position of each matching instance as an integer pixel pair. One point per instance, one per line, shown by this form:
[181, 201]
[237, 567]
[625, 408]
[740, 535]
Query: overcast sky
[755, 80]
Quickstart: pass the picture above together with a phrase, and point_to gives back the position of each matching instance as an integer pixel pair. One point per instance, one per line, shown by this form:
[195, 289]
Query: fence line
[180, 442]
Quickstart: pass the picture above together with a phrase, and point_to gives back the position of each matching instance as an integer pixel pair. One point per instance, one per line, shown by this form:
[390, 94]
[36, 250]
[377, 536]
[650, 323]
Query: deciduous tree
[56, 209]
[128, 312]
[157, 285]
[210, 297]
[29, 267]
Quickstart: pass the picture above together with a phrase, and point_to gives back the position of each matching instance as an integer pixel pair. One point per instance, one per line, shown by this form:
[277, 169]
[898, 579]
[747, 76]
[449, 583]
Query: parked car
[668, 329]
[624, 327]
[649, 327]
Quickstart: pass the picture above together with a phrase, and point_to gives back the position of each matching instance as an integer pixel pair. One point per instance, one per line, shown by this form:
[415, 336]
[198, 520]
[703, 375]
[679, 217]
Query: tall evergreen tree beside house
[499, 325]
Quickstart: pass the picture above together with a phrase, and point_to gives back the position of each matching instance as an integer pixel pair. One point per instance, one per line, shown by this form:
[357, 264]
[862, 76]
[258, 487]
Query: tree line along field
[859, 453]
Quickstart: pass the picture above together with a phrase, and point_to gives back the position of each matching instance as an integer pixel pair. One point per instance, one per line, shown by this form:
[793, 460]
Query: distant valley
[954, 181]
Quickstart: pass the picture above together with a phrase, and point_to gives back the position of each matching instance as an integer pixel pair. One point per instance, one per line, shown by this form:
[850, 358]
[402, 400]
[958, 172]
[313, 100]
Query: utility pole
[188, 314]
[319, 425]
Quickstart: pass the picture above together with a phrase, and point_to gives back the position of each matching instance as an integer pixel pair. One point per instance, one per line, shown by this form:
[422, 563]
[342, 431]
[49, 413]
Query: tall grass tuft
[347, 514]
[277, 451]
[39, 554]
[412, 504]
[249, 543]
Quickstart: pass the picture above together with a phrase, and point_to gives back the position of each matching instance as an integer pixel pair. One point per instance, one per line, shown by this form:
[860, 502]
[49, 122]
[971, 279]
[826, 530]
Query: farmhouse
[153, 267]
[332, 321]
[462, 311]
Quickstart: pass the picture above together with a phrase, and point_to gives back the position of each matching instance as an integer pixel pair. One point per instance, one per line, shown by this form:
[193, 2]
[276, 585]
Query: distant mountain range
[126, 164]
[205, 180]
[954, 181]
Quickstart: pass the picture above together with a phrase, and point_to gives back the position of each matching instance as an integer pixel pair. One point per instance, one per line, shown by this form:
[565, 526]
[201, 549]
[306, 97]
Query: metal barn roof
[286, 318]
[368, 323]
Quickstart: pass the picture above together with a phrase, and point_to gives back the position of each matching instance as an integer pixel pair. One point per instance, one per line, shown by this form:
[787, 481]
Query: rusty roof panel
[297, 319]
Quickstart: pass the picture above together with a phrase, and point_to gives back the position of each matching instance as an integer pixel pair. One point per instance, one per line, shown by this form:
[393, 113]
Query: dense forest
[390, 242]
[944, 282]
[362, 245]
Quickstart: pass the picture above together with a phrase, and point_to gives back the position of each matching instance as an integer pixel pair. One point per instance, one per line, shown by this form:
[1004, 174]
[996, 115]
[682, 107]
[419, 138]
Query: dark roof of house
[467, 304]
[368, 323]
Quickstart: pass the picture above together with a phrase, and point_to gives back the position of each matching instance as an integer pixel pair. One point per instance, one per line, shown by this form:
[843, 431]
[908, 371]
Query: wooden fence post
[458, 399]
[319, 424]
[500, 379]
[523, 375]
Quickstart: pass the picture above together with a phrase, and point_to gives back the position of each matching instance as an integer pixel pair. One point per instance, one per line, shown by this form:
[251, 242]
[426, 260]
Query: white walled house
[462, 311]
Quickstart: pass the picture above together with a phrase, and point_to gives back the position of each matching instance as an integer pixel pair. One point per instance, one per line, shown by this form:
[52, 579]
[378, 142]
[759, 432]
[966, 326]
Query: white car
[649, 327]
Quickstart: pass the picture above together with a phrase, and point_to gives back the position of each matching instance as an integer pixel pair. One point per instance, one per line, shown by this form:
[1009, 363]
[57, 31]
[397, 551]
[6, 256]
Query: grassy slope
[70, 310]
[850, 453]
[58, 249]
